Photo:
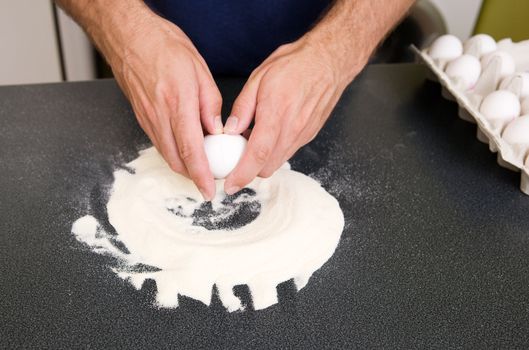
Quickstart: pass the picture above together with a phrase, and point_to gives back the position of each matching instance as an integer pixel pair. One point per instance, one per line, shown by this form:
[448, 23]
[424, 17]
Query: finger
[164, 142]
[187, 131]
[272, 167]
[243, 109]
[210, 101]
[295, 120]
[258, 151]
[139, 103]
[148, 129]
[287, 141]
[144, 114]
[284, 143]
[289, 146]
[142, 107]
[306, 135]
[168, 148]
[299, 131]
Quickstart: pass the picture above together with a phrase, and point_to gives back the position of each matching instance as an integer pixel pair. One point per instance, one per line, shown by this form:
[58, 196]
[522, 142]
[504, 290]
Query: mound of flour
[276, 229]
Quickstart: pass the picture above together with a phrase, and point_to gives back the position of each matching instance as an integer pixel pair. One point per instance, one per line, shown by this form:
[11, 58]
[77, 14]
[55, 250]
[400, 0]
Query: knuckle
[284, 48]
[178, 125]
[311, 138]
[172, 101]
[274, 129]
[271, 122]
[298, 125]
[277, 107]
[146, 115]
[266, 173]
[176, 167]
[165, 94]
[160, 89]
[261, 153]
[186, 151]
[172, 161]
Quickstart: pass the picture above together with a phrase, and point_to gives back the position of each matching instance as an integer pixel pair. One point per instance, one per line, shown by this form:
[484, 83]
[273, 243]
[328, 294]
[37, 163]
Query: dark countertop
[435, 253]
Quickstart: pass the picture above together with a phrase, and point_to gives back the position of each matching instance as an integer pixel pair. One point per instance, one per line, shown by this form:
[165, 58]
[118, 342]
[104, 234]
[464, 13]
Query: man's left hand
[291, 94]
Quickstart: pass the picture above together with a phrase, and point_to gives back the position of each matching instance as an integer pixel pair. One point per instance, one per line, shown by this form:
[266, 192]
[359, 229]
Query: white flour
[276, 229]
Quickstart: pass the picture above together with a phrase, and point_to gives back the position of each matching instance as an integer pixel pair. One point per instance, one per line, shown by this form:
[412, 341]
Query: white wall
[29, 51]
[460, 15]
[78, 54]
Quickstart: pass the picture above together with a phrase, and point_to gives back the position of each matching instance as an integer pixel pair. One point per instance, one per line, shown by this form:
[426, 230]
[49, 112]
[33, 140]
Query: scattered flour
[276, 229]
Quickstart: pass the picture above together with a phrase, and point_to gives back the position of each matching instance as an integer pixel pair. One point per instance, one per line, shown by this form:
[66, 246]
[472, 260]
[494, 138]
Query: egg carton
[509, 73]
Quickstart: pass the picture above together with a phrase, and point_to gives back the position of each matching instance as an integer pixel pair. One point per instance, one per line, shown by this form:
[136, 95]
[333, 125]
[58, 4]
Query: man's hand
[166, 80]
[292, 93]
[173, 94]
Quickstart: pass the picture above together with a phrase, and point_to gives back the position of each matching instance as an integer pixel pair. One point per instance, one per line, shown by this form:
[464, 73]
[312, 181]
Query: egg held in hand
[223, 152]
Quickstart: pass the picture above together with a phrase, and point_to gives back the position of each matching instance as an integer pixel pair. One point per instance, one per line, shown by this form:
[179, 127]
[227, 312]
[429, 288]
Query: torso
[235, 36]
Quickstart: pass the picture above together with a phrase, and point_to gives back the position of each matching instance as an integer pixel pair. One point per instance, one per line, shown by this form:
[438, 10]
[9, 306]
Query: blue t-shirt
[235, 36]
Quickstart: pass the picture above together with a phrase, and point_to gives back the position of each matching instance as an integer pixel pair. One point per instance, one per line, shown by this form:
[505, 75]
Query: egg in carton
[490, 82]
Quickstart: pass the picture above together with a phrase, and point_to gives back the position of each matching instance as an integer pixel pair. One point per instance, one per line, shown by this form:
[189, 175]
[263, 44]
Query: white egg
[446, 47]
[525, 82]
[500, 105]
[525, 106]
[507, 65]
[466, 68]
[484, 44]
[517, 131]
[223, 152]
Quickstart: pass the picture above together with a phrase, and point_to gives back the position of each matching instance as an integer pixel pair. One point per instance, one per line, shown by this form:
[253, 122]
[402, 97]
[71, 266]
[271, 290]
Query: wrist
[115, 26]
[345, 60]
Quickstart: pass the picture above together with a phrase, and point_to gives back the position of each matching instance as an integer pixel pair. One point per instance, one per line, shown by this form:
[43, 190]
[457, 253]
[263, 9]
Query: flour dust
[276, 229]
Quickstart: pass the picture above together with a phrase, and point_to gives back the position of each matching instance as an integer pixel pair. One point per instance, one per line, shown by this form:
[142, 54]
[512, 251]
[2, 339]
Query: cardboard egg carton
[512, 156]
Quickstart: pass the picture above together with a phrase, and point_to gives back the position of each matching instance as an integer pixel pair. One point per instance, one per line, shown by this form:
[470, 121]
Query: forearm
[352, 29]
[109, 24]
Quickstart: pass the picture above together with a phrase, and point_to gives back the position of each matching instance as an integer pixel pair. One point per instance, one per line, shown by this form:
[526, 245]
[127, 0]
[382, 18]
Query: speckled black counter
[435, 253]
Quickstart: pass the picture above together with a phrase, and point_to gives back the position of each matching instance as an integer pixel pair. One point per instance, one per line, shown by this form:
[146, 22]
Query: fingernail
[206, 197]
[217, 122]
[232, 190]
[231, 124]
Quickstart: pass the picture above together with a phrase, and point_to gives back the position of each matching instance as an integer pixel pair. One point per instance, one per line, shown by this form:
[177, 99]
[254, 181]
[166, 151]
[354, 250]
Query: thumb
[243, 109]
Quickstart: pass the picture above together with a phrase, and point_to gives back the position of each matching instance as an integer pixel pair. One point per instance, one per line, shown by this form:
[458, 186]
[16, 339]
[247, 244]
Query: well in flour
[234, 211]
[277, 229]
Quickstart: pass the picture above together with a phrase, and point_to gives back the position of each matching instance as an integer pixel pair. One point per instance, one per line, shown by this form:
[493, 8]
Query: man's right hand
[166, 80]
